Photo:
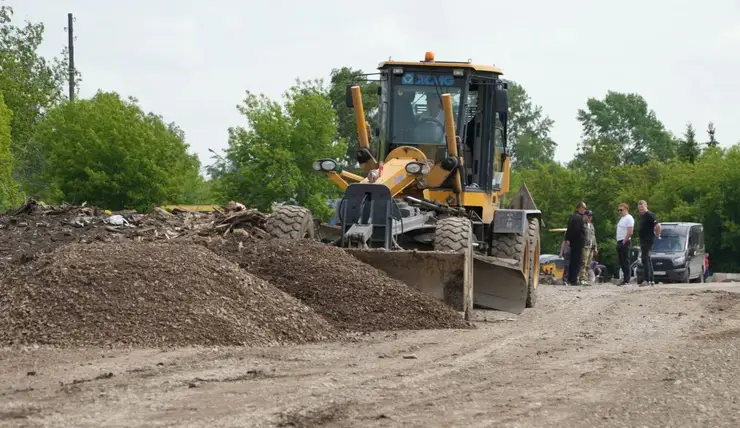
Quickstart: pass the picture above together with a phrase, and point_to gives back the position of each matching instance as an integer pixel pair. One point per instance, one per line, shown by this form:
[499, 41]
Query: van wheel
[687, 276]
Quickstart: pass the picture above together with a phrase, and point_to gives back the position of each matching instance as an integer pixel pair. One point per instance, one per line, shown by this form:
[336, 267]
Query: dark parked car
[679, 255]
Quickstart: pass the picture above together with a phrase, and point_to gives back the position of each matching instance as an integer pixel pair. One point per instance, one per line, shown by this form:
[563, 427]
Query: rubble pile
[350, 294]
[147, 294]
[37, 228]
[82, 276]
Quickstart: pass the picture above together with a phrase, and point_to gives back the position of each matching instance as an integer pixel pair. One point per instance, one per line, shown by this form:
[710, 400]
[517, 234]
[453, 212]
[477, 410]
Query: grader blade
[499, 284]
[458, 279]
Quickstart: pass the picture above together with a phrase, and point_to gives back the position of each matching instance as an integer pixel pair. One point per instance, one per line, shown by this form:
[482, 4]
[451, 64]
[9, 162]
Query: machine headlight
[679, 260]
[414, 168]
[325, 165]
[328, 165]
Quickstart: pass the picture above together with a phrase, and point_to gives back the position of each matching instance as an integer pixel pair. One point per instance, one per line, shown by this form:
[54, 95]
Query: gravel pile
[147, 294]
[350, 294]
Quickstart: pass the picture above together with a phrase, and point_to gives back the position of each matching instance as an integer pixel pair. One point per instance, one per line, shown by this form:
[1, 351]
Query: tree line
[105, 150]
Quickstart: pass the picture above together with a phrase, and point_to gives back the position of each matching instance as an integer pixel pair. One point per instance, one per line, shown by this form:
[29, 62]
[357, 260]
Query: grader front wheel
[290, 222]
[452, 234]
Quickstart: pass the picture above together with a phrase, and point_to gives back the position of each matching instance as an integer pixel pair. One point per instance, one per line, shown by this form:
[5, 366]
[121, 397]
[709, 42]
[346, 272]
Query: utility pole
[71, 42]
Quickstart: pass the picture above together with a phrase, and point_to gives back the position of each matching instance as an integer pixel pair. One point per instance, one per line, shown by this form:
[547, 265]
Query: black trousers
[647, 265]
[575, 264]
[623, 251]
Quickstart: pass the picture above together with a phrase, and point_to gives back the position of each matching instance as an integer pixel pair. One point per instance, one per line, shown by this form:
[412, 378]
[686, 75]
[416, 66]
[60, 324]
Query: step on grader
[429, 213]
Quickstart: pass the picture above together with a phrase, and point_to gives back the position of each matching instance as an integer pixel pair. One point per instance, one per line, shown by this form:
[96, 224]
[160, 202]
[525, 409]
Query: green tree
[528, 131]
[620, 129]
[30, 85]
[108, 152]
[555, 190]
[346, 125]
[9, 193]
[271, 159]
[711, 131]
[707, 192]
[688, 148]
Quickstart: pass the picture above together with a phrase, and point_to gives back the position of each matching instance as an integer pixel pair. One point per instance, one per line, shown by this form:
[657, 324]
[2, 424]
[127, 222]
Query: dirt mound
[350, 294]
[37, 228]
[147, 294]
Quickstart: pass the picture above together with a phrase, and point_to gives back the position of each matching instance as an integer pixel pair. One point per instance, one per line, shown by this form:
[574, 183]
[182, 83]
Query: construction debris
[147, 294]
[37, 227]
[352, 295]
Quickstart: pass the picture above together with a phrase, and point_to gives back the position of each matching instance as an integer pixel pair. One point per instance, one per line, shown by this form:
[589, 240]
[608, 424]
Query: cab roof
[431, 62]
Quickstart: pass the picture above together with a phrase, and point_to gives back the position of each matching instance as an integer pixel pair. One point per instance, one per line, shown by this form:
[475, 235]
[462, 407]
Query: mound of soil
[147, 294]
[350, 294]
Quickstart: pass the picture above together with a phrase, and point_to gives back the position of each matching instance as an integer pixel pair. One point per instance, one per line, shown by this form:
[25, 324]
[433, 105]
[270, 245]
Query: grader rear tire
[290, 222]
[510, 246]
[452, 234]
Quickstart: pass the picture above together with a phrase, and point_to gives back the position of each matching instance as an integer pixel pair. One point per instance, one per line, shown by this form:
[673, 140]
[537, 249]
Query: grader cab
[427, 206]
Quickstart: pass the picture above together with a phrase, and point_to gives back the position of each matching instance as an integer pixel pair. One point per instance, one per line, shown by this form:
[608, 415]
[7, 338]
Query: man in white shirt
[625, 227]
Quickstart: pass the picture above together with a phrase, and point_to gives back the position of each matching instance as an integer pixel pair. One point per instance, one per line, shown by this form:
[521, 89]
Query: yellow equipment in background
[426, 208]
[553, 264]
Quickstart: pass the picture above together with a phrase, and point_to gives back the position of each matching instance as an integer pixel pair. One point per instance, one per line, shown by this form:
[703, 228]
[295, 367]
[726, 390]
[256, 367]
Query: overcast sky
[192, 61]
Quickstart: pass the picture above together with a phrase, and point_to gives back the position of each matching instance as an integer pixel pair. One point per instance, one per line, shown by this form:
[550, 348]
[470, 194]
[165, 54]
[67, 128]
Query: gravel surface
[150, 294]
[585, 357]
[352, 295]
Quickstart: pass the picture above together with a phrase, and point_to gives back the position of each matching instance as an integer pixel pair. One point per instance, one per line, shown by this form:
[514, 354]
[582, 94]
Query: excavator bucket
[461, 280]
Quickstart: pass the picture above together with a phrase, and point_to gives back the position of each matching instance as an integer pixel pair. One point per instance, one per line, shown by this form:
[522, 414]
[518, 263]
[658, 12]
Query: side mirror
[348, 97]
[501, 97]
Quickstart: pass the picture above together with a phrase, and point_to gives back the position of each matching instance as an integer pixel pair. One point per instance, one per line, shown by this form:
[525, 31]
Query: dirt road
[586, 357]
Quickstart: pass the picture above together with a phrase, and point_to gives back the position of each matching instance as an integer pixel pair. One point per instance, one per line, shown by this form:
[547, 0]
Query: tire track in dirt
[593, 358]
[558, 365]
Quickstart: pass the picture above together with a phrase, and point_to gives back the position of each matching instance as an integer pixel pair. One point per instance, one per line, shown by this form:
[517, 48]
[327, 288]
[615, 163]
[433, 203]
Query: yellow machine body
[427, 207]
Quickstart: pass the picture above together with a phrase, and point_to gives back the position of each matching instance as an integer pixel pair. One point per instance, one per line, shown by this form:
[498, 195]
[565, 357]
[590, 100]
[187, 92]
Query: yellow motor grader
[427, 207]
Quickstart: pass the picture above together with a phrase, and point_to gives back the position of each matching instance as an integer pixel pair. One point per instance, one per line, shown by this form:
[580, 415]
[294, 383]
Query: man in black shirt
[575, 238]
[649, 229]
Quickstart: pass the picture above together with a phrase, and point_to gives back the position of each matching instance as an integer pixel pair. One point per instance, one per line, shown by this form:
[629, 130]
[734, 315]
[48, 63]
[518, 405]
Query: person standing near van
[649, 229]
[589, 247]
[707, 272]
[625, 227]
[575, 237]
